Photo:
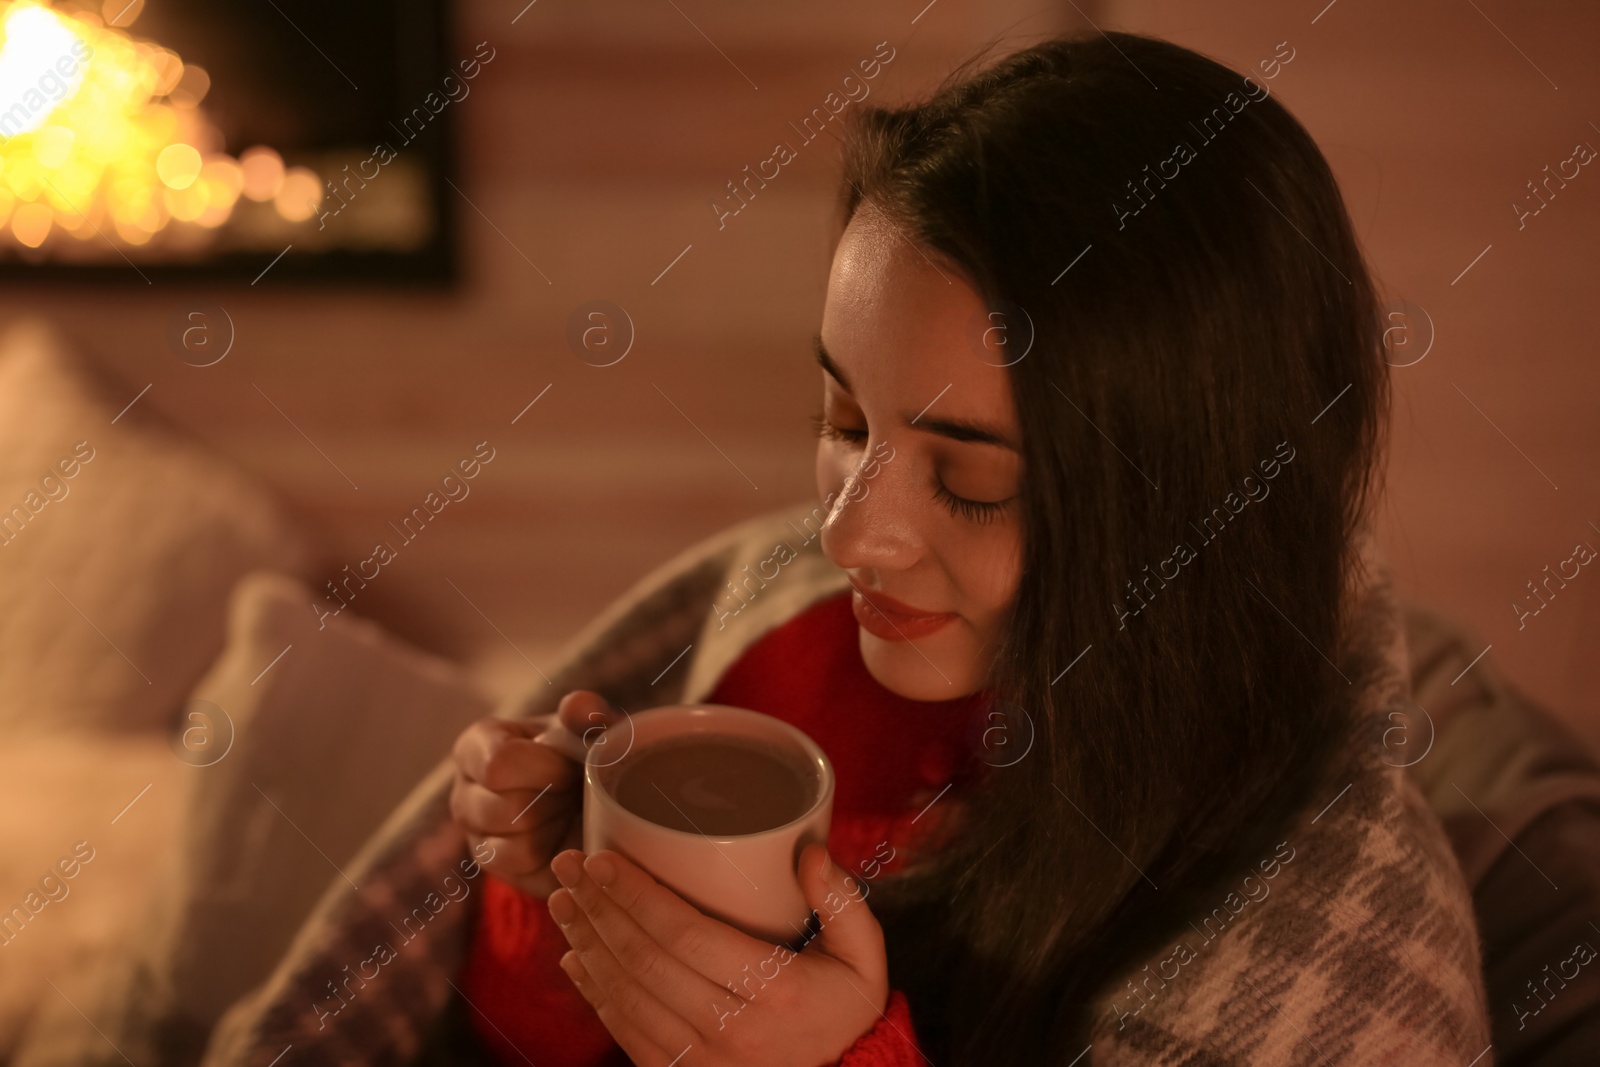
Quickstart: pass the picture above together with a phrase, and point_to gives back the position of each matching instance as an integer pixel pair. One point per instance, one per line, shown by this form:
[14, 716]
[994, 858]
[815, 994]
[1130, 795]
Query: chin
[904, 671]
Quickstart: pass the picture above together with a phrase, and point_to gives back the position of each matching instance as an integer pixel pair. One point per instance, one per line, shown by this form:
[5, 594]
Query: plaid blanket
[1354, 942]
[1359, 946]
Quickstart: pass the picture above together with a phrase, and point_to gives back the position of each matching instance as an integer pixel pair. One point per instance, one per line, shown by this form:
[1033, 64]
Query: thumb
[582, 710]
[850, 932]
[589, 716]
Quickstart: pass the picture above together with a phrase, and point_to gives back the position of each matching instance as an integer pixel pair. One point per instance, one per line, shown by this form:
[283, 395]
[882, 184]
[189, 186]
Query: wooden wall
[592, 148]
[1435, 116]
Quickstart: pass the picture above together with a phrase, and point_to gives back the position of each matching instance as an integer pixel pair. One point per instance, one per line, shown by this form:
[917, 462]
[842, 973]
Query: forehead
[903, 324]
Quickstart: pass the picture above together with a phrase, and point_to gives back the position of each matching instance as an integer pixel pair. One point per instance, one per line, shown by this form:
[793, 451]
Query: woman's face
[921, 452]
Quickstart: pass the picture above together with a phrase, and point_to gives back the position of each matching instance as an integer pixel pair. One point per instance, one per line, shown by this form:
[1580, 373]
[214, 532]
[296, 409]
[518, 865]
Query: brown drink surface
[716, 784]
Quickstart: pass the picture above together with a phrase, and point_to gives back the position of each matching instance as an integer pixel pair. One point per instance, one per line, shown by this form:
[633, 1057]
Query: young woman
[1102, 397]
[1088, 622]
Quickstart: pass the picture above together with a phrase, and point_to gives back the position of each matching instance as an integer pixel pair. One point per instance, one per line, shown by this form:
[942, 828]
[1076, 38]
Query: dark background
[367, 63]
[592, 147]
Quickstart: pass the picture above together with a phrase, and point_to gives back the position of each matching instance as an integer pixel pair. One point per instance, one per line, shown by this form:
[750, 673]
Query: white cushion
[323, 745]
[59, 790]
[119, 543]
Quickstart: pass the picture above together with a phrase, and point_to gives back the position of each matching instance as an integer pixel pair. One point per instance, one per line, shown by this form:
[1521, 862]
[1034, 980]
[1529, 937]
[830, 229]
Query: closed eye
[976, 510]
[828, 430]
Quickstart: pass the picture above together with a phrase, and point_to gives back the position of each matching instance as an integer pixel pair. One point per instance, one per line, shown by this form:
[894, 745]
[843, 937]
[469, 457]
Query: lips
[886, 618]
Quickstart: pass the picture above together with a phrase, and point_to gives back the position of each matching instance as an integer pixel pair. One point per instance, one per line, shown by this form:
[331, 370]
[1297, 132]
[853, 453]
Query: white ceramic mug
[748, 881]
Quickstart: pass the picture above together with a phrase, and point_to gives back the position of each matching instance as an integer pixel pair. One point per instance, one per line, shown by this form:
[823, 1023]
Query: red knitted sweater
[892, 758]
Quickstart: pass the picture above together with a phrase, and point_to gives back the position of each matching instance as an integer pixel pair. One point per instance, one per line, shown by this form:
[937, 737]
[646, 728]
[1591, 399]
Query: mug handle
[558, 737]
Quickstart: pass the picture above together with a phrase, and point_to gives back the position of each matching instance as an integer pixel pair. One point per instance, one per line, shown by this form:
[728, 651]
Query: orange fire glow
[102, 133]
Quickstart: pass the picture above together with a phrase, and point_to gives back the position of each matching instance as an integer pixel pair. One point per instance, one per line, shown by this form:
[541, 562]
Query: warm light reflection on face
[897, 329]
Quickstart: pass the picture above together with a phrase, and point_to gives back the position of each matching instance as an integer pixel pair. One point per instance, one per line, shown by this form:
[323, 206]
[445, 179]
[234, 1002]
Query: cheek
[990, 570]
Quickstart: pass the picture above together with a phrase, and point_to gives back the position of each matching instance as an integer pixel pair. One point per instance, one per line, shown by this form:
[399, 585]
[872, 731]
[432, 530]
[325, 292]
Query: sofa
[195, 748]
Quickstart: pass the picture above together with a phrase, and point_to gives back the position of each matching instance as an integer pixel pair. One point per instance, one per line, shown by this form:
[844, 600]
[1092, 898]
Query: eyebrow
[963, 430]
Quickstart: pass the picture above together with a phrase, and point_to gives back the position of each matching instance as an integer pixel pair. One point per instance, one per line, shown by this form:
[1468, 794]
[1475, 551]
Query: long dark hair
[1208, 373]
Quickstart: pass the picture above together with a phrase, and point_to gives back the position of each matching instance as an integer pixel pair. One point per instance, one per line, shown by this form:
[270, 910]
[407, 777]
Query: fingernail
[561, 908]
[601, 869]
[562, 867]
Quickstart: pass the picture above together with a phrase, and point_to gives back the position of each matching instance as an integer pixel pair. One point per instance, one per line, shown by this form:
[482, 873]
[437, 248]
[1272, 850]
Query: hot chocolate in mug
[715, 802]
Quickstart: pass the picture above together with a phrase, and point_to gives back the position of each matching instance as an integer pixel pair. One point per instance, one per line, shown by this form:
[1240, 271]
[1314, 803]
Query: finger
[582, 710]
[639, 1048]
[517, 855]
[512, 856]
[518, 859]
[698, 998]
[481, 810]
[712, 948]
[589, 715]
[616, 996]
[523, 860]
[502, 755]
[850, 933]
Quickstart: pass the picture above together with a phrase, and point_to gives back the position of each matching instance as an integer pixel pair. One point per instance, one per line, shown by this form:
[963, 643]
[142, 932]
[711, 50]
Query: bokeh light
[263, 172]
[300, 196]
[30, 223]
[103, 133]
[121, 12]
[178, 165]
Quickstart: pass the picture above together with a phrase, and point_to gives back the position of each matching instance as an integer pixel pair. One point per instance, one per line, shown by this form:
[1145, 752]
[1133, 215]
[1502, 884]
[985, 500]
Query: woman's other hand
[522, 796]
[675, 986]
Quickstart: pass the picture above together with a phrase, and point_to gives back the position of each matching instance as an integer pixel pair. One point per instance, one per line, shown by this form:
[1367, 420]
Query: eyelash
[975, 510]
[828, 430]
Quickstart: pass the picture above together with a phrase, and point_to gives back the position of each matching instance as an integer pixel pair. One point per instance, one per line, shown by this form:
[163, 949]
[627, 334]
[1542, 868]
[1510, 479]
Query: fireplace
[274, 142]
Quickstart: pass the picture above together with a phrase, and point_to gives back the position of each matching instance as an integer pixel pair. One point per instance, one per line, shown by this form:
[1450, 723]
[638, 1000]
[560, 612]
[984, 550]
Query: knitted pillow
[119, 542]
[304, 738]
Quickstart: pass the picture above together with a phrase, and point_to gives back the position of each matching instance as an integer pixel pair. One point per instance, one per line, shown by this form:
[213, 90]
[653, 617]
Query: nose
[873, 518]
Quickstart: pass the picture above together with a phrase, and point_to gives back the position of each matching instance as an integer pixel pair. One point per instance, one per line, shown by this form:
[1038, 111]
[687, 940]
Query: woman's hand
[522, 796]
[674, 986]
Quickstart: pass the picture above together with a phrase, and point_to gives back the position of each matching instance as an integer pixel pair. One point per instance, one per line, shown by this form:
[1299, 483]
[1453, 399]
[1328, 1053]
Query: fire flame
[102, 134]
